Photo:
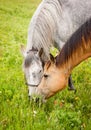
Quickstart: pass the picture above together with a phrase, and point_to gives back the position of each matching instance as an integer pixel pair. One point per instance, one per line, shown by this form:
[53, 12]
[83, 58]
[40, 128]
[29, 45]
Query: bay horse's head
[33, 68]
[54, 79]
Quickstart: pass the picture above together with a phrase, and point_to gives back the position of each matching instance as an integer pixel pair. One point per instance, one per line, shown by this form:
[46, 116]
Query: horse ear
[52, 58]
[23, 50]
[40, 52]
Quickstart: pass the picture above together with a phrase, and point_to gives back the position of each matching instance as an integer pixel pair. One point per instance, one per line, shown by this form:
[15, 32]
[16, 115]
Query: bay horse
[57, 70]
[52, 24]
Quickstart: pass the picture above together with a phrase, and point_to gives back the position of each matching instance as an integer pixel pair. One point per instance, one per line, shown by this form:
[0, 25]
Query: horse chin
[49, 95]
[44, 94]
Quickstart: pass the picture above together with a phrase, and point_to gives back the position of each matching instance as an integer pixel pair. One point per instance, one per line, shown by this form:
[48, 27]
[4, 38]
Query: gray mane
[54, 21]
[43, 25]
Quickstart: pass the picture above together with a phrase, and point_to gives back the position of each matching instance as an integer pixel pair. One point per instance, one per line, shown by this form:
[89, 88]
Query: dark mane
[75, 42]
[48, 63]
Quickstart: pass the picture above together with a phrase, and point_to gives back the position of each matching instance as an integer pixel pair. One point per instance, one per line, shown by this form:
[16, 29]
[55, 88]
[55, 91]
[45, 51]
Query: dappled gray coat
[54, 21]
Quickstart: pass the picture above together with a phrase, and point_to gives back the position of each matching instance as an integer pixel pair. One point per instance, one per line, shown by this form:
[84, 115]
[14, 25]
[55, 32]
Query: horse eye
[46, 76]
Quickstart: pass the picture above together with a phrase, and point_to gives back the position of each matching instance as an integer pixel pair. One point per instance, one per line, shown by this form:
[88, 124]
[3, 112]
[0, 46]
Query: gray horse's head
[33, 68]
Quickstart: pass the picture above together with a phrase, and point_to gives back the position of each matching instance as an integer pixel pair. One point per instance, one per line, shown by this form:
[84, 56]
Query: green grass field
[64, 111]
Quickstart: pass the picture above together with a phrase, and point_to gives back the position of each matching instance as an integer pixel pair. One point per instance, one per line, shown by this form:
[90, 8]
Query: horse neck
[82, 53]
[43, 25]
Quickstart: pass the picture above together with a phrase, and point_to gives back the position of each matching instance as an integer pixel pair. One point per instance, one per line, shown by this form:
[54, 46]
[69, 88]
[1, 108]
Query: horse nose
[37, 91]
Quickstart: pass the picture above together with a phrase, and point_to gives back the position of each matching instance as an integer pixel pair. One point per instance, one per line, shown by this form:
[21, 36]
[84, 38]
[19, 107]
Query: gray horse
[52, 24]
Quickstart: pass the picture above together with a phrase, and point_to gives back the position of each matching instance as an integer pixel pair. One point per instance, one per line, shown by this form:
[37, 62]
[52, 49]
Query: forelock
[48, 64]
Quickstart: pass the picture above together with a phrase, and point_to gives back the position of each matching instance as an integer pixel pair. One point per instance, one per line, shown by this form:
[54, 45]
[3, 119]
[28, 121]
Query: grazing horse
[57, 70]
[51, 25]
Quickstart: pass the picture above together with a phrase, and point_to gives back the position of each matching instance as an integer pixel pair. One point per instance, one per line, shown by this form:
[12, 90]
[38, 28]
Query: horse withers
[57, 70]
[51, 25]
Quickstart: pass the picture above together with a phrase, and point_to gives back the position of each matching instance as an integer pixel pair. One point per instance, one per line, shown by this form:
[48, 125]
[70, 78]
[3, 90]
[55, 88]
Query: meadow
[65, 111]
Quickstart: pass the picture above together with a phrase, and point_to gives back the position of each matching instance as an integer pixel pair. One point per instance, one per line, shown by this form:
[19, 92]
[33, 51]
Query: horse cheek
[61, 83]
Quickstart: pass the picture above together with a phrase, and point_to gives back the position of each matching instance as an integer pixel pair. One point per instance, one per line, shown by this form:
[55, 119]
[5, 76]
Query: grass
[64, 111]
